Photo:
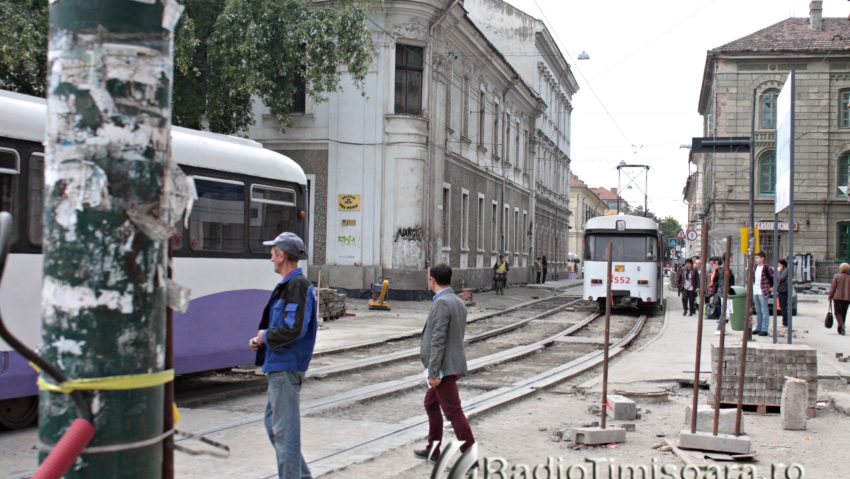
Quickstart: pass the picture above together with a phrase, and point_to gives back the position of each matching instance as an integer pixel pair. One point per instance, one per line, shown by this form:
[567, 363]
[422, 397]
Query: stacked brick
[767, 366]
[331, 304]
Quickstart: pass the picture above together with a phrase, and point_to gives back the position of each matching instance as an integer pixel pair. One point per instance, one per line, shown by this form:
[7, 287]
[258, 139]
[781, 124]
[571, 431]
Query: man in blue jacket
[284, 346]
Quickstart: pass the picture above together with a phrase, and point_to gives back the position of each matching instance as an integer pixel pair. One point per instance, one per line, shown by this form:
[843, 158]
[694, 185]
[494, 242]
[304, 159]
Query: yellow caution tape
[176, 414]
[111, 383]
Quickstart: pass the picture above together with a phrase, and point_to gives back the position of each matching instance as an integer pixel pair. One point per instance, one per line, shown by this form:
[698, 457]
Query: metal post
[747, 335]
[752, 224]
[604, 408]
[697, 360]
[721, 349]
[168, 408]
[618, 190]
[775, 277]
[790, 331]
[646, 192]
[103, 293]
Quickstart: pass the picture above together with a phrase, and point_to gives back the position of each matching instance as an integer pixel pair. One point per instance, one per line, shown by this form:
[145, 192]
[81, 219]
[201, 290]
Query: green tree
[23, 46]
[226, 52]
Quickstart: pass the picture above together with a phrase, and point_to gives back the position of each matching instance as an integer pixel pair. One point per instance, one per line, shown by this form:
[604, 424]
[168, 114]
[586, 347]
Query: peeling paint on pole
[109, 209]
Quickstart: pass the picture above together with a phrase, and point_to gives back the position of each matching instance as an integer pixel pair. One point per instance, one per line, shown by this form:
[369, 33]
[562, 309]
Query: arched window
[767, 173]
[843, 245]
[768, 109]
[844, 109]
[843, 172]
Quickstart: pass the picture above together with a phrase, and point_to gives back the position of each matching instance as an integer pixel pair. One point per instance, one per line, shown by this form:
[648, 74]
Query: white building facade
[434, 163]
[528, 45]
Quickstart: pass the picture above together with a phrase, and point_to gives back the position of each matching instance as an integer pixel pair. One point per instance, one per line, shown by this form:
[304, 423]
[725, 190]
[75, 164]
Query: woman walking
[839, 294]
[782, 274]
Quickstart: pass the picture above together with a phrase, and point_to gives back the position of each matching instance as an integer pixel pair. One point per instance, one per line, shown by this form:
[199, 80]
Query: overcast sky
[646, 64]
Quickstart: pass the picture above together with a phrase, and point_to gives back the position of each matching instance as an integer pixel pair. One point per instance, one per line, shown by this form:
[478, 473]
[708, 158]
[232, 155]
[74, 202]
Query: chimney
[816, 15]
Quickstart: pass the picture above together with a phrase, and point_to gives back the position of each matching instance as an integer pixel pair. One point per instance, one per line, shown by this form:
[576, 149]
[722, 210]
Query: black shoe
[684, 313]
[755, 332]
[423, 454]
[763, 333]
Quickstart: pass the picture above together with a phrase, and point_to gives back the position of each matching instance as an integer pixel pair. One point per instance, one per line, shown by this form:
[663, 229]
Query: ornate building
[757, 65]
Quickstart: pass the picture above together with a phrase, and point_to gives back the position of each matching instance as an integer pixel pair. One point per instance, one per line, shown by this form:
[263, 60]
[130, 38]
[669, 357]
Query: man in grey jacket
[444, 359]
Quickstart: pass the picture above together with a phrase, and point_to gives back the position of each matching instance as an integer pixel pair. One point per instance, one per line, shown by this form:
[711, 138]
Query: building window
[408, 80]
[496, 130]
[508, 138]
[516, 147]
[844, 109]
[464, 220]
[767, 173]
[299, 96]
[524, 231]
[482, 108]
[516, 230]
[447, 217]
[449, 87]
[768, 110]
[506, 236]
[494, 241]
[479, 237]
[843, 170]
[843, 253]
[464, 120]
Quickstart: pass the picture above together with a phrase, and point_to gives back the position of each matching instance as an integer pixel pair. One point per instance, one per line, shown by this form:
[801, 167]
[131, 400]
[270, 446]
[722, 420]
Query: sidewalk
[670, 356]
[368, 325]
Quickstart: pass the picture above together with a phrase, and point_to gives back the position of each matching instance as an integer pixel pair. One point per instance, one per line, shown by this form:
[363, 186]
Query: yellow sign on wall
[349, 222]
[349, 202]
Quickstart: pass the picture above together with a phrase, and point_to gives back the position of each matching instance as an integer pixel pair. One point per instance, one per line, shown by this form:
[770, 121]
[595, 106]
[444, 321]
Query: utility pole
[107, 169]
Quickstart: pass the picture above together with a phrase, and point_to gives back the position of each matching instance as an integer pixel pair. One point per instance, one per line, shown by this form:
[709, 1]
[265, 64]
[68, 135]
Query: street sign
[720, 144]
[692, 235]
[678, 247]
[680, 234]
[671, 242]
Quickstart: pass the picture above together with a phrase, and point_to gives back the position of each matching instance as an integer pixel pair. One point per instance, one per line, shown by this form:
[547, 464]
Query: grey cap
[289, 243]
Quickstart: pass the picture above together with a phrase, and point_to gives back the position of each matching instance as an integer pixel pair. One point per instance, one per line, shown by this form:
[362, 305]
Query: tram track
[412, 428]
[347, 360]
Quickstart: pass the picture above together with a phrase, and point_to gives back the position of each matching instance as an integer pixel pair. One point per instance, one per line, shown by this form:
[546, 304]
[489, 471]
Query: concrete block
[621, 408]
[704, 441]
[705, 419]
[597, 435]
[795, 399]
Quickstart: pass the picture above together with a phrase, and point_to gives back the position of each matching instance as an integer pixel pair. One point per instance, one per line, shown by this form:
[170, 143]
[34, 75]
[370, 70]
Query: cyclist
[500, 274]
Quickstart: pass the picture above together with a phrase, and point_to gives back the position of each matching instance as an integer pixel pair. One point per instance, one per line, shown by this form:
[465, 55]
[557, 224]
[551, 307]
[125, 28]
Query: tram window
[626, 248]
[217, 222]
[9, 170]
[35, 200]
[272, 211]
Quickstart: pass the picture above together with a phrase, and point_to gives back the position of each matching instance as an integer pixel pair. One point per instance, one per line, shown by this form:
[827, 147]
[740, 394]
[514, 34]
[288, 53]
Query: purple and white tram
[245, 194]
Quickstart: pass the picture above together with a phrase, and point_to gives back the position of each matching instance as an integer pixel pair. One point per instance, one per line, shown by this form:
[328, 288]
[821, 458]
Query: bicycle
[499, 283]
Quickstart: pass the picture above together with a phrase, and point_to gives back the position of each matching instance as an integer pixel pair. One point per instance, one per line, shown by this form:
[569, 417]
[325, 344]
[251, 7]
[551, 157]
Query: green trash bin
[738, 300]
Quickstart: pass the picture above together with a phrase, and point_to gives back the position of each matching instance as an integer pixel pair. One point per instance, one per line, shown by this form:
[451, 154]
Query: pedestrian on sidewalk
[538, 268]
[782, 290]
[688, 285]
[839, 294]
[284, 346]
[442, 354]
[545, 268]
[762, 282]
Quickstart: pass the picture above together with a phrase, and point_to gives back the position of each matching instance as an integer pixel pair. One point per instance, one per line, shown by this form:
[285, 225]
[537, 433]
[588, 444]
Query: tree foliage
[23, 46]
[226, 52]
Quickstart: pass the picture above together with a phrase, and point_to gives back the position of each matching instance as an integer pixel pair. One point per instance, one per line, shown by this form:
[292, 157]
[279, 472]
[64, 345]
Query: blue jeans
[283, 423]
[762, 315]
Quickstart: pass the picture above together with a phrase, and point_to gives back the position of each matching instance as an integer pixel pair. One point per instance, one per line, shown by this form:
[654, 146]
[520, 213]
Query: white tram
[636, 271]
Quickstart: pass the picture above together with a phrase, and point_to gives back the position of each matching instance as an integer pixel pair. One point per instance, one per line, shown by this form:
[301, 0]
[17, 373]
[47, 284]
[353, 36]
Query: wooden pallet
[761, 409]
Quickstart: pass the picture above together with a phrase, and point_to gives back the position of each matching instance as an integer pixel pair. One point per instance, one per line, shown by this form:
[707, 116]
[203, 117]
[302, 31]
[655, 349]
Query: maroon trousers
[446, 397]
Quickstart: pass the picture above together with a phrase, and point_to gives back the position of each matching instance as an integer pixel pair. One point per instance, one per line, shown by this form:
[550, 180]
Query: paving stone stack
[767, 367]
[331, 304]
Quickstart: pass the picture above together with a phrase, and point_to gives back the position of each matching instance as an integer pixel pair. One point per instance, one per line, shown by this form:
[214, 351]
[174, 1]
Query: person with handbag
[839, 295]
